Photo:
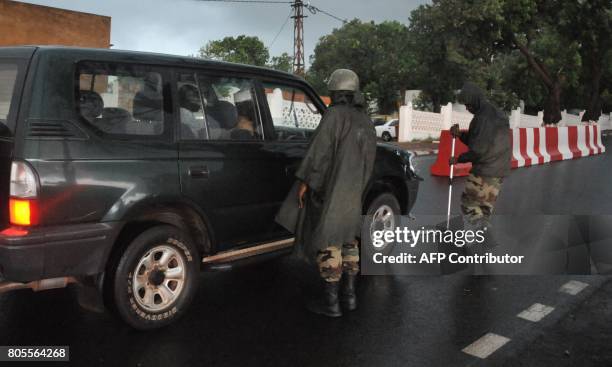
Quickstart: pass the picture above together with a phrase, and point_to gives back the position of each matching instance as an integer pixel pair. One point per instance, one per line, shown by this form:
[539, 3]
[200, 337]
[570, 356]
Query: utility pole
[298, 37]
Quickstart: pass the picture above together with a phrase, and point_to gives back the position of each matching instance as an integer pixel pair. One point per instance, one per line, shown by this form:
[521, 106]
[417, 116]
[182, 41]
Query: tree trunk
[552, 106]
[593, 111]
[437, 107]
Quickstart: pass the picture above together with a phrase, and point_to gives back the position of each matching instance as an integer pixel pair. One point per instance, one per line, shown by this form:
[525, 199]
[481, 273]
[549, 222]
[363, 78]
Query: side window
[121, 99]
[230, 108]
[294, 115]
[394, 123]
[9, 75]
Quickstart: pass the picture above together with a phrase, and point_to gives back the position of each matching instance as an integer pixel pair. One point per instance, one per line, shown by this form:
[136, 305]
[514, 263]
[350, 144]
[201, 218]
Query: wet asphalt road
[253, 315]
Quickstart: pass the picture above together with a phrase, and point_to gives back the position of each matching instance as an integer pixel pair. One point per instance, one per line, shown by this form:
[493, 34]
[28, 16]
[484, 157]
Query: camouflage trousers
[333, 261]
[478, 198]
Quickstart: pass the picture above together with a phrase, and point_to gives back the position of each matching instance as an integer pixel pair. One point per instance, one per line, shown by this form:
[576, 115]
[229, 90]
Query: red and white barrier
[531, 146]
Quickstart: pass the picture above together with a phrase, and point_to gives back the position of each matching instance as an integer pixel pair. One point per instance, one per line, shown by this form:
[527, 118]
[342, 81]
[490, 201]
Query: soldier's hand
[454, 130]
[301, 193]
[452, 161]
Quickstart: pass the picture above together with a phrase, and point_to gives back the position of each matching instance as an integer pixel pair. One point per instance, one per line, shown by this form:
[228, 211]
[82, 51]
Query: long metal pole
[298, 38]
[450, 185]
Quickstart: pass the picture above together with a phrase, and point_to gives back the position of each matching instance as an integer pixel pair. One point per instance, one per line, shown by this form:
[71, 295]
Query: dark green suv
[130, 172]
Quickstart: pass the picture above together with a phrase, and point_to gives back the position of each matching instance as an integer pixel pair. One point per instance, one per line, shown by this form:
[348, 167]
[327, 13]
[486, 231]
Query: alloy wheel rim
[382, 219]
[159, 278]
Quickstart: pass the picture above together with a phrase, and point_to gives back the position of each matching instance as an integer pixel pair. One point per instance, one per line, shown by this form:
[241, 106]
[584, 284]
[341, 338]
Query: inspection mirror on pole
[450, 183]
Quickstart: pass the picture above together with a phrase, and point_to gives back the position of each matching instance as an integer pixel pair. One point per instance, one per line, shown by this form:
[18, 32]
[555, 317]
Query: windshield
[8, 77]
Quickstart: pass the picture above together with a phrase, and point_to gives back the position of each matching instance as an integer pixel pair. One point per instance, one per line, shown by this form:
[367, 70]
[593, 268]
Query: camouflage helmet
[343, 79]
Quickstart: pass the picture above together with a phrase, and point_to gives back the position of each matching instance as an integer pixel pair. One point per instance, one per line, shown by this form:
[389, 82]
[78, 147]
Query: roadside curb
[419, 153]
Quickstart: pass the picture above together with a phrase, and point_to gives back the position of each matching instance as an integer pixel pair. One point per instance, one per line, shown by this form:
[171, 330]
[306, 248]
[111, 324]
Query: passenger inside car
[221, 117]
[245, 127]
[122, 104]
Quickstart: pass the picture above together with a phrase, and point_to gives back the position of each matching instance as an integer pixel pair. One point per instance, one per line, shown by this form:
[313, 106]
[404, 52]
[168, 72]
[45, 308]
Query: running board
[233, 255]
[37, 285]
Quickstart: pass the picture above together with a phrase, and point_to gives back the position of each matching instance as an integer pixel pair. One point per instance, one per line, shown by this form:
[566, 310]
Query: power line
[281, 28]
[297, 13]
[314, 10]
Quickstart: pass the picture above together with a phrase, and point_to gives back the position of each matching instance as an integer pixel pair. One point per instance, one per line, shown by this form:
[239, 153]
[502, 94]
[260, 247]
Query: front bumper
[56, 251]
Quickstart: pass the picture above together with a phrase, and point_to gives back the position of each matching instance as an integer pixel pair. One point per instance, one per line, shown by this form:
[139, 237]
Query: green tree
[374, 51]
[444, 60]
[437, 70]
[589, 23]
[284, 62]
[606, 95]
[242, 49]
[500, 26]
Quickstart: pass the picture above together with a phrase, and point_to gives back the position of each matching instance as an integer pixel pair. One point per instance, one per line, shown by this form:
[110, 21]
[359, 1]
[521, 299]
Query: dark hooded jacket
[488, 137]
[336, 168]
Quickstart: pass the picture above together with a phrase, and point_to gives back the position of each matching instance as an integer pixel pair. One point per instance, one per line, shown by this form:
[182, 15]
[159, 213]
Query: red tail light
[23, 207]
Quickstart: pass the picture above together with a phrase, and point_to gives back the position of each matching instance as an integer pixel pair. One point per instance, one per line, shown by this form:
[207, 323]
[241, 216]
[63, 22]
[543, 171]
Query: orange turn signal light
[22, 212]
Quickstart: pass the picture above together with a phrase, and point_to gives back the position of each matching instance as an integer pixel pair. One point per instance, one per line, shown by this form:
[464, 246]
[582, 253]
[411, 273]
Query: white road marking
[535, 312]
[573, 287]
[485, 346]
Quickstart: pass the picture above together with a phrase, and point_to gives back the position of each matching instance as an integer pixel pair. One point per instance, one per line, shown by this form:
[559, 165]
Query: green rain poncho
[336, 168]
[488, 138]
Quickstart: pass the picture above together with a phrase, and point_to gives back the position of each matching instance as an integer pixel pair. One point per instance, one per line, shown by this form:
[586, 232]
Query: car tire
[155, 279]
[386, 136]
[383, 204]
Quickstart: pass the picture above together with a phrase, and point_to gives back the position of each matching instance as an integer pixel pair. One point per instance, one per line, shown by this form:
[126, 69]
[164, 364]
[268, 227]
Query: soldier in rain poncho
[332, 178]
[489, 144]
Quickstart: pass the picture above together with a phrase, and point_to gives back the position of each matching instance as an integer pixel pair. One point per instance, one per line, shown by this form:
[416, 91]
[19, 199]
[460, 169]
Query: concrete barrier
[441, 166]
[530, 146]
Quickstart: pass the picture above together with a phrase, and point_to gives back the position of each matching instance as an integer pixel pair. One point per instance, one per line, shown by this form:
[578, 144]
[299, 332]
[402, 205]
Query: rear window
[121, 99]
[9, 74]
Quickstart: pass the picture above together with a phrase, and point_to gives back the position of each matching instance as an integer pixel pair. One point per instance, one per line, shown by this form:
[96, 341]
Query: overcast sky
[182, 26]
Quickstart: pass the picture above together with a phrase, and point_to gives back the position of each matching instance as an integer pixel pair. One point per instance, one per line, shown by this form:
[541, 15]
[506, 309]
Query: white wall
[418, 125]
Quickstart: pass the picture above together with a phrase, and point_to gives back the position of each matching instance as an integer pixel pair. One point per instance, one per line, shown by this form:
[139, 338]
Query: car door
[293, 113]
[225, 166]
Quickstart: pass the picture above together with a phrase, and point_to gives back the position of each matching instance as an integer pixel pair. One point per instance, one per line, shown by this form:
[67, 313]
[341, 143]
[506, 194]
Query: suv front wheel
[381, 215]
[156, 278]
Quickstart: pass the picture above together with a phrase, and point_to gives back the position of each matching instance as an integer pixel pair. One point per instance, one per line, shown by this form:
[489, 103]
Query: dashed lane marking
[535, 312]
[486, 345]
[489, 343]
[573, 287]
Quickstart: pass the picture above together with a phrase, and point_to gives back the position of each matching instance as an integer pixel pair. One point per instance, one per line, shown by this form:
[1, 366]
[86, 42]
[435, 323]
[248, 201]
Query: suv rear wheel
[155, 279]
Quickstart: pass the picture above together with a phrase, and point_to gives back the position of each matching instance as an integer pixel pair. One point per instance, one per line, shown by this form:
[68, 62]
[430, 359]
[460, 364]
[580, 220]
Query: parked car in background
[388, 130]
[127, 173]
[378, 121]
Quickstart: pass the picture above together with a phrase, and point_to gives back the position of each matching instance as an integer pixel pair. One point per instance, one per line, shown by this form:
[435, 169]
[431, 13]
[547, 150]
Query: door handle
[199, 172]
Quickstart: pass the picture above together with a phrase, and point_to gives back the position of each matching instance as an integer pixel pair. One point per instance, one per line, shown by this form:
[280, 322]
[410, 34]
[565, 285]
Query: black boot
[348, 297]
[327, 304]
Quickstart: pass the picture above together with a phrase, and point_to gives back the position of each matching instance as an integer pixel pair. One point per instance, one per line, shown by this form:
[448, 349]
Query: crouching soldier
[332, 178]
[489, 152]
